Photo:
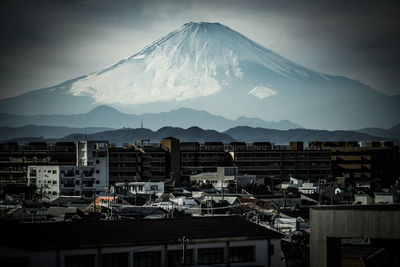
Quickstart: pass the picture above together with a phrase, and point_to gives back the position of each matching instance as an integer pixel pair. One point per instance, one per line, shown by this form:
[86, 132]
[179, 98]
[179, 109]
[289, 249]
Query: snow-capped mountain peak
[197, 60]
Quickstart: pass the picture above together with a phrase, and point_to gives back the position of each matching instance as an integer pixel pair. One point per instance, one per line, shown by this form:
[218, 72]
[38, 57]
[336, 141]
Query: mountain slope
[193, 134]
[106, 116]
[393, 132]
[45, 131]
[208, 66]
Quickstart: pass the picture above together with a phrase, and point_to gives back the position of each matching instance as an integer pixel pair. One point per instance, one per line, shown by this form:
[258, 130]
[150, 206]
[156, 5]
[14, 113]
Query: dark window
[147, 259]
[174, 257]
[114, 260]
[97, 171]
[14, 262]
[79, 261]
[210, 255]
[241, 254]
[97, 161]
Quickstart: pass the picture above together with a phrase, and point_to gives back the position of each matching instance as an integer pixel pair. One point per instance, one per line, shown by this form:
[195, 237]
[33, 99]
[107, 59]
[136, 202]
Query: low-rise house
[289, 224]
[224, 177]
[363, 198]
[302, 186]
[145, 187]
[207, 241]
[385, 198]
[261, 206]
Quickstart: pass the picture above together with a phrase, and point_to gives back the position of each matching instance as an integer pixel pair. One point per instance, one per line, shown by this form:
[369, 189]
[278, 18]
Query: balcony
[87, 174]
[68, 185]
[68, 174]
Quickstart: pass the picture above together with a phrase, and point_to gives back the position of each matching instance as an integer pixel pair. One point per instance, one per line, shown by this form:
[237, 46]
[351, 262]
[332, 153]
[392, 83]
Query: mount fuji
[208, 66]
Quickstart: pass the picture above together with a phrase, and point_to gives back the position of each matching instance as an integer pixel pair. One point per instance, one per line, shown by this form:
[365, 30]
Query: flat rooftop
[41, 236]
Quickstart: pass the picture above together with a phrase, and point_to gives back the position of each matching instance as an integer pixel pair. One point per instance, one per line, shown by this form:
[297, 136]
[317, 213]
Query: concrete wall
[50, 258]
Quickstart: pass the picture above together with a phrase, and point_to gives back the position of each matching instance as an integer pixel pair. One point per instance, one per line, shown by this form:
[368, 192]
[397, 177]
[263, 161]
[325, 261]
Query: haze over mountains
[105, 116]
[191, 134]
[208, 66]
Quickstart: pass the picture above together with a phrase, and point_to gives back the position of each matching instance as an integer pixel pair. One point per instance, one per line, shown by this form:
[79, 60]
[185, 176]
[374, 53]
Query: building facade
[365, 231]
[207, 241]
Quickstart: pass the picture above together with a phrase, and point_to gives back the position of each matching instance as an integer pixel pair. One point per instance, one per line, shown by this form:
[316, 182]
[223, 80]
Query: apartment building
[54, 181]
[15, 158]
[374, 160]
[131, 163]
[277, 162]
[199, 158]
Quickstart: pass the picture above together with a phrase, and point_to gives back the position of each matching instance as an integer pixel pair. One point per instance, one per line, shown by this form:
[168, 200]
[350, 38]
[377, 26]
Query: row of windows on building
[205, 256]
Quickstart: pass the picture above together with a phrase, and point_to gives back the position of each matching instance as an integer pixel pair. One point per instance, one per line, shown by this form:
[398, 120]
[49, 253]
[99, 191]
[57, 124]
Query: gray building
[207, 241]
[357, 234]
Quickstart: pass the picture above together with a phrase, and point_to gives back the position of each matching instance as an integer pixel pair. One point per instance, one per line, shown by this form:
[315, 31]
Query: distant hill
[249, 134]
[192, 134]
[196, 134]
[393, 132]
[105, 116]
[53, 132]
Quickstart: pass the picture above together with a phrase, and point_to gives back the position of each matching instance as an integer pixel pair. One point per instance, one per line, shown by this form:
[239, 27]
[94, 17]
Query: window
[97, 161]
[54, 171]
[241, 254]
[54, 193]
[49, 182]
[76, 172]
[210, 255]
[97, 182]
[154, 187]
[14, 261]
[147, 259]
[97, 171]
[54, 182]
[49, 171]
[114, 260]
[79, 261]
[174, 257]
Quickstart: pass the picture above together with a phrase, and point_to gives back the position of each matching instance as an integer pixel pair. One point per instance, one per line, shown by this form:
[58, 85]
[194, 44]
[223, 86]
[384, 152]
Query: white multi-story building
[140, 188]
[89, 178]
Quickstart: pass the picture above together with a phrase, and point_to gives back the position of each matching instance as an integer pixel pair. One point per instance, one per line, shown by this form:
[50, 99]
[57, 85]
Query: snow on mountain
[262, 92]
[208, 66]
[194, 61]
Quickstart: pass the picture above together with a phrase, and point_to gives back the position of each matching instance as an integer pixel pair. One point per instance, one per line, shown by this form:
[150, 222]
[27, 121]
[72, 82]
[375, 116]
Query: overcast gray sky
[46, 42]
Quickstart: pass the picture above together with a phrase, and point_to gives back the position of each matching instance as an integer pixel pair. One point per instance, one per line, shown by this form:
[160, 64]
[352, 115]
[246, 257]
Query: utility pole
[212, 206]
[94, 201]
[185, 241]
